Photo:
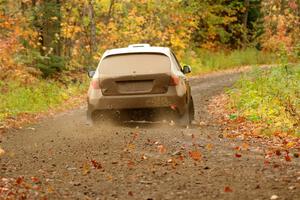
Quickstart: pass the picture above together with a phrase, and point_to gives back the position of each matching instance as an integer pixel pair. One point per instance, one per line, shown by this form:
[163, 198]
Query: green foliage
[206, 61]
[221, 23]
[16, 98]
[272, 96]
[50, 64]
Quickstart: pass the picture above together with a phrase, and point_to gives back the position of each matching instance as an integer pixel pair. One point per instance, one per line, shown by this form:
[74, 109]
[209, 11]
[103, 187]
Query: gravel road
[64, 158]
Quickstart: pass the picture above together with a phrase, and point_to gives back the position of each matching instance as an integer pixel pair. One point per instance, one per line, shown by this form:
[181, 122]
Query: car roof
[137, 48]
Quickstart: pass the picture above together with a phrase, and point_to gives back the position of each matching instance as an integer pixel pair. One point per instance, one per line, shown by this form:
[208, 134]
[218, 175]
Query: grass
[270, 96]
[16, 98]
[203, 61]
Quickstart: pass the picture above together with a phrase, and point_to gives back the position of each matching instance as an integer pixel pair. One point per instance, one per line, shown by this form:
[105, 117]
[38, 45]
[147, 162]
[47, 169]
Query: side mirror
[91, 73]
[187, 69]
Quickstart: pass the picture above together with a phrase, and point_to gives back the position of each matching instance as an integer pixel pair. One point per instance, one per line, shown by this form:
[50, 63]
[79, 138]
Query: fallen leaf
[273, 197]
[209, 147]
[291, 187]
[144, 157]
[238, 148]
[130, 193]
[109, 177]
[181, 158]
[86, 169]
[172, 123]
[228, 189]
[202, 123]
[19, 180]
[131, 146]
[196, 155]
[50, 189]
[276, 165]
[296, 155]
[76, 183]
[245, 146]
[266, 162]
[161, 149]
[277, 152]
[130, 164]
[1, 152]
[288, 158]
[135, 136]
[35, 179]
[96, 164]
[238, 155]
[290, 144]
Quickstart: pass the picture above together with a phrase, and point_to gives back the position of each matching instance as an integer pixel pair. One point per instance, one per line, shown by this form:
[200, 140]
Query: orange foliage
[282, 25]
[10, 34]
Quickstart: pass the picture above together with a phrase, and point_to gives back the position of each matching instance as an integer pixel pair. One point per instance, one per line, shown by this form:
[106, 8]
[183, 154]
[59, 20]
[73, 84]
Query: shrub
[271, 96]
[206, 61]
[16, 98]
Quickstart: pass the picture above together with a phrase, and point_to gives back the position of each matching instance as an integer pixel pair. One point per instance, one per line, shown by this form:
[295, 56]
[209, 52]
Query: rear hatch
[133, 74]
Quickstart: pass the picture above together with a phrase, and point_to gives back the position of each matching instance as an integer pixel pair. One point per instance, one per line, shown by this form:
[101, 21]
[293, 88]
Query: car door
[181, 75]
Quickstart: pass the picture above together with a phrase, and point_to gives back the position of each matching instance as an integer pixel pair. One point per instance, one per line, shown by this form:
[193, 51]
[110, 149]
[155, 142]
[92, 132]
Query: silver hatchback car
[140, 77]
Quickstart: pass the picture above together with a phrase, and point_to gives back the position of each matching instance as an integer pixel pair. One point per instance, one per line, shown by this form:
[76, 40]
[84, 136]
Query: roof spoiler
[139, 45]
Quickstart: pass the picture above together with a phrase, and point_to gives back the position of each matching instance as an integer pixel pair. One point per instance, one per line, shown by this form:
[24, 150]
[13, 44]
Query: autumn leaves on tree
[53, 35]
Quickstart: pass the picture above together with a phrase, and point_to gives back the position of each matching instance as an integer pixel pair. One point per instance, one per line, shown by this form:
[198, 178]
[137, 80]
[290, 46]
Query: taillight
[95, 84]
[174, 80]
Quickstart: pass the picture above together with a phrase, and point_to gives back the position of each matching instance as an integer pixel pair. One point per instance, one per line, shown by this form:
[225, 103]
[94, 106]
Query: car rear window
[139, 63]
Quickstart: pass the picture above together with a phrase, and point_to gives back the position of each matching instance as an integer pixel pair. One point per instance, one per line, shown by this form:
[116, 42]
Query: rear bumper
[171, 98]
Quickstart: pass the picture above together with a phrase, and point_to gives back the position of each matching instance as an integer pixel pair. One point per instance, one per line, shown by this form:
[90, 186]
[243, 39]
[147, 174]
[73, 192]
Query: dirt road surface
[64, 158]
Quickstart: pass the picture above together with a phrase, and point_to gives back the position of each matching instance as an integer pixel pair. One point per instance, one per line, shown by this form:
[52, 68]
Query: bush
[16, 98]
[271, 96]
[206, 61]
[50, 65]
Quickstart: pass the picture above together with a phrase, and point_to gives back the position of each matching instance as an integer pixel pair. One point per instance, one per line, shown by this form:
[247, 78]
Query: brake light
[95, 84]
[174, 80]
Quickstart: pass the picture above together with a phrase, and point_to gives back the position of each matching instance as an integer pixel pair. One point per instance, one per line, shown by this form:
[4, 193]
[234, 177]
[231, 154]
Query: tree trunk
[245, 22]
[49, 26]
[110, 11]
[92, 29]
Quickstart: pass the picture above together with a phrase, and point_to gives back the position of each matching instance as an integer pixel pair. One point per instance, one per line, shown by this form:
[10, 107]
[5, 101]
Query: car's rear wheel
[192, 110]
[97, 117]
[187, 118]
[102, 117]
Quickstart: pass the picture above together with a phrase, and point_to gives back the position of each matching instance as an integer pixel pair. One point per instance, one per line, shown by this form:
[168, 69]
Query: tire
[96, 118]
[192, 110]
[186, 119]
